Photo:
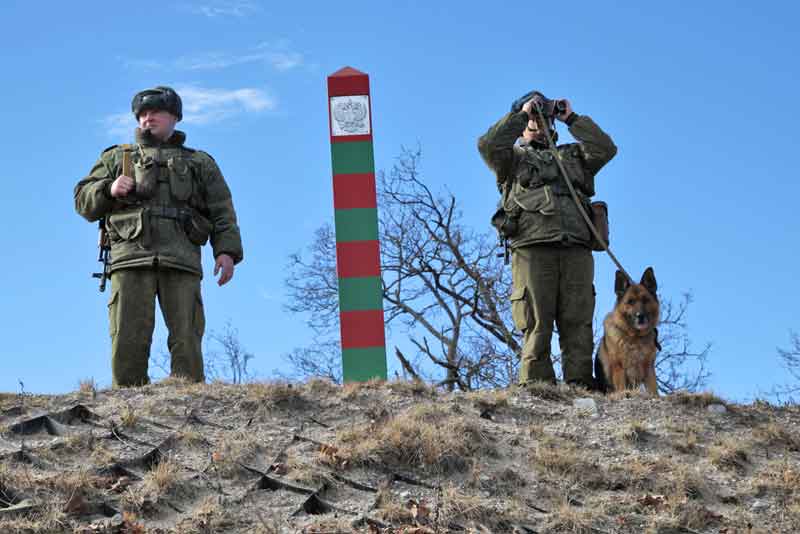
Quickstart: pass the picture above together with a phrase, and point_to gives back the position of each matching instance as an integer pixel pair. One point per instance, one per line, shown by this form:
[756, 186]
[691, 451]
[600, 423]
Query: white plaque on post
[350, 115]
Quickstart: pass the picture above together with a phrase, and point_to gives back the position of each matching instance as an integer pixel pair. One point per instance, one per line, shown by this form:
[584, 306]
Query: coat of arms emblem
[350, 115]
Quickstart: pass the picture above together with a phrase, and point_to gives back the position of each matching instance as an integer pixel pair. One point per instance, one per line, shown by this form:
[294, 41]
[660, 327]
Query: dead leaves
[654, 501]
[331, 456]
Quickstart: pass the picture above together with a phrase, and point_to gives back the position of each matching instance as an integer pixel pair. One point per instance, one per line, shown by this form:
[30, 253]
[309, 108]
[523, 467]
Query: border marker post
[356, 220]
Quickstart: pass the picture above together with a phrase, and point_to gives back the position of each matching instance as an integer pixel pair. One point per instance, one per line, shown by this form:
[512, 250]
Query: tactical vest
[164, 216]
[539, 200]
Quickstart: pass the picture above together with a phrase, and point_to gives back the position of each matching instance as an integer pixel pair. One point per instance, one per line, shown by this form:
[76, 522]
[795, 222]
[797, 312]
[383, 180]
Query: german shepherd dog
[627, 353]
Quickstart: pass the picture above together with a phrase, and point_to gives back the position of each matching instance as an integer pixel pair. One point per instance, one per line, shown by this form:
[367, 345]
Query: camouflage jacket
[190, 202]
[533, 190]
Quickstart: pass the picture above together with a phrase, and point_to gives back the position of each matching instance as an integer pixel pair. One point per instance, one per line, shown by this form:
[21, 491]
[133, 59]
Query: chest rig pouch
[181, 183]
[146, 173]
[183, 186]
[536, 173]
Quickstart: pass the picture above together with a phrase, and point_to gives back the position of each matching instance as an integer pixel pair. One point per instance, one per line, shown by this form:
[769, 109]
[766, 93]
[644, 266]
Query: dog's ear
[621, 284]
[649, 281]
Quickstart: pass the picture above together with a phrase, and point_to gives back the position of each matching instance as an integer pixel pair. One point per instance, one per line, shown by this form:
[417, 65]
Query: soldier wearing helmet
[157, 218]
[552, 265]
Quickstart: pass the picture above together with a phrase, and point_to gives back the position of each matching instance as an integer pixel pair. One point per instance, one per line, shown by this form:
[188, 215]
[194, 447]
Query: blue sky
[699, 97]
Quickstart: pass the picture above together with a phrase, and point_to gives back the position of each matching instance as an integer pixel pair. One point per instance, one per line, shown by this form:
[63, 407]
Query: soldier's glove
[516, 106]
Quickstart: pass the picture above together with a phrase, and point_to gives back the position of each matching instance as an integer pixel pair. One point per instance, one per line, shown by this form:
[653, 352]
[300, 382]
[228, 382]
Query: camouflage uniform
[155, 250]
[552, 264]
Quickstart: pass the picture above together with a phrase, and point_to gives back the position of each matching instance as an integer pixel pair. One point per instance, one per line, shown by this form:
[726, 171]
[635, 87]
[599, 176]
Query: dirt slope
[393, 458]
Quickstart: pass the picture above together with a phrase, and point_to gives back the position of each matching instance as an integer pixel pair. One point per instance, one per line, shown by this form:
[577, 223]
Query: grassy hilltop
[393, 458]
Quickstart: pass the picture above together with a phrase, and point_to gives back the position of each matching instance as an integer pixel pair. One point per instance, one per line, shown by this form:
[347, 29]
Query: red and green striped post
[356, 216]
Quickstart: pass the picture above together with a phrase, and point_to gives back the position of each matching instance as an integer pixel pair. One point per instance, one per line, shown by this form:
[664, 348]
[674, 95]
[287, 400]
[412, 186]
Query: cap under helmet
[159, 98]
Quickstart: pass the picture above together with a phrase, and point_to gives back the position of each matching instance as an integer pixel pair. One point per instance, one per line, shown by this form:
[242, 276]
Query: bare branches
[321, 360]
[227, 359]
[233, 360]
[678, 367]
[790, 358]
[443, 282]
[445, 286]
[312, 284]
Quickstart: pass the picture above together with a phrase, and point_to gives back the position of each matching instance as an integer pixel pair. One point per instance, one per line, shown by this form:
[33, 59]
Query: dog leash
[575, 198]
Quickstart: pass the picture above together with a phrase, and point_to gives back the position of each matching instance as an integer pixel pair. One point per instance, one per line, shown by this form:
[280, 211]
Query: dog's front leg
[650, 382]
[618, 377]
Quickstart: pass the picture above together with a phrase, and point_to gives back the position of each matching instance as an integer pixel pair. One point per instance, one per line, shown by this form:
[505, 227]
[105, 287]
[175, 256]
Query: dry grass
[774, 435]
[164, 478]
[307, 474]
[88, 387]
[684, 515]
[559, 457]
[696, 400]
[489, 399]
[425, 435]
[84, 441]
[351, 390]
[156, 406]
[729, 454]
[209, 516]
[260, 394]
[101, 454]
[47, 518]
[415, 388]
[232, 451]
[175, 383]
[548, 391]
[506, 482]
[780, 478]
[128, 416]
[687, 465]
[685, 436]
[320, 387]
[330, 525]
[460, 508]
[633, 431]
[391, 510]
[191, 437]
[569, 518]
[637, 394]
[81, 481]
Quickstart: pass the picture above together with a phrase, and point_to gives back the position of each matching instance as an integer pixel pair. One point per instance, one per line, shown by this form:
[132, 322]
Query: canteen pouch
[197, 228]
[146, 172]
[599, 215]
[180, 179]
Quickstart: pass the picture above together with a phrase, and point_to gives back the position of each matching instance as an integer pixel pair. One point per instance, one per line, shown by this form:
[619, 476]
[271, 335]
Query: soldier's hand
[224, 263]
[527, 107]
[567, 112]
[122, 186]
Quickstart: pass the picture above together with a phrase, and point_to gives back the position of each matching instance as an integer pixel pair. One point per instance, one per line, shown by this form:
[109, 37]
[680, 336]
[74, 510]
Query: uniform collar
[144, 138]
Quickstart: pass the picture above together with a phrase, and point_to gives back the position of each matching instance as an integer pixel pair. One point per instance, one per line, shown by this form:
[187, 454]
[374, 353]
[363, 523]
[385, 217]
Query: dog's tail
[600, 382]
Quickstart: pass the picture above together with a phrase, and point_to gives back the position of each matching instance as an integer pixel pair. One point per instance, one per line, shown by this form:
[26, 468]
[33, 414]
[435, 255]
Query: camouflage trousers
[554, 284]
[131, 317]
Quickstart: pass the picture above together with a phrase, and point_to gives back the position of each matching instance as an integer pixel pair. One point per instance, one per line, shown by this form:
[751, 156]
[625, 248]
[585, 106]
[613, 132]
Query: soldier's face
[160, 123]
[533, 132]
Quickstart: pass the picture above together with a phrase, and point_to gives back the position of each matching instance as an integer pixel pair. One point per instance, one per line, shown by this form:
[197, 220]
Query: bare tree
[313, 288]
[790, 358]
[444, 283]
[448, 288]
[321, 360]
[226, 360]
[678, 367]
[233, 359]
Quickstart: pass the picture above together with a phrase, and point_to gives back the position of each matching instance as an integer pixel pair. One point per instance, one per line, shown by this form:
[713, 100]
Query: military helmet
[161, 97]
